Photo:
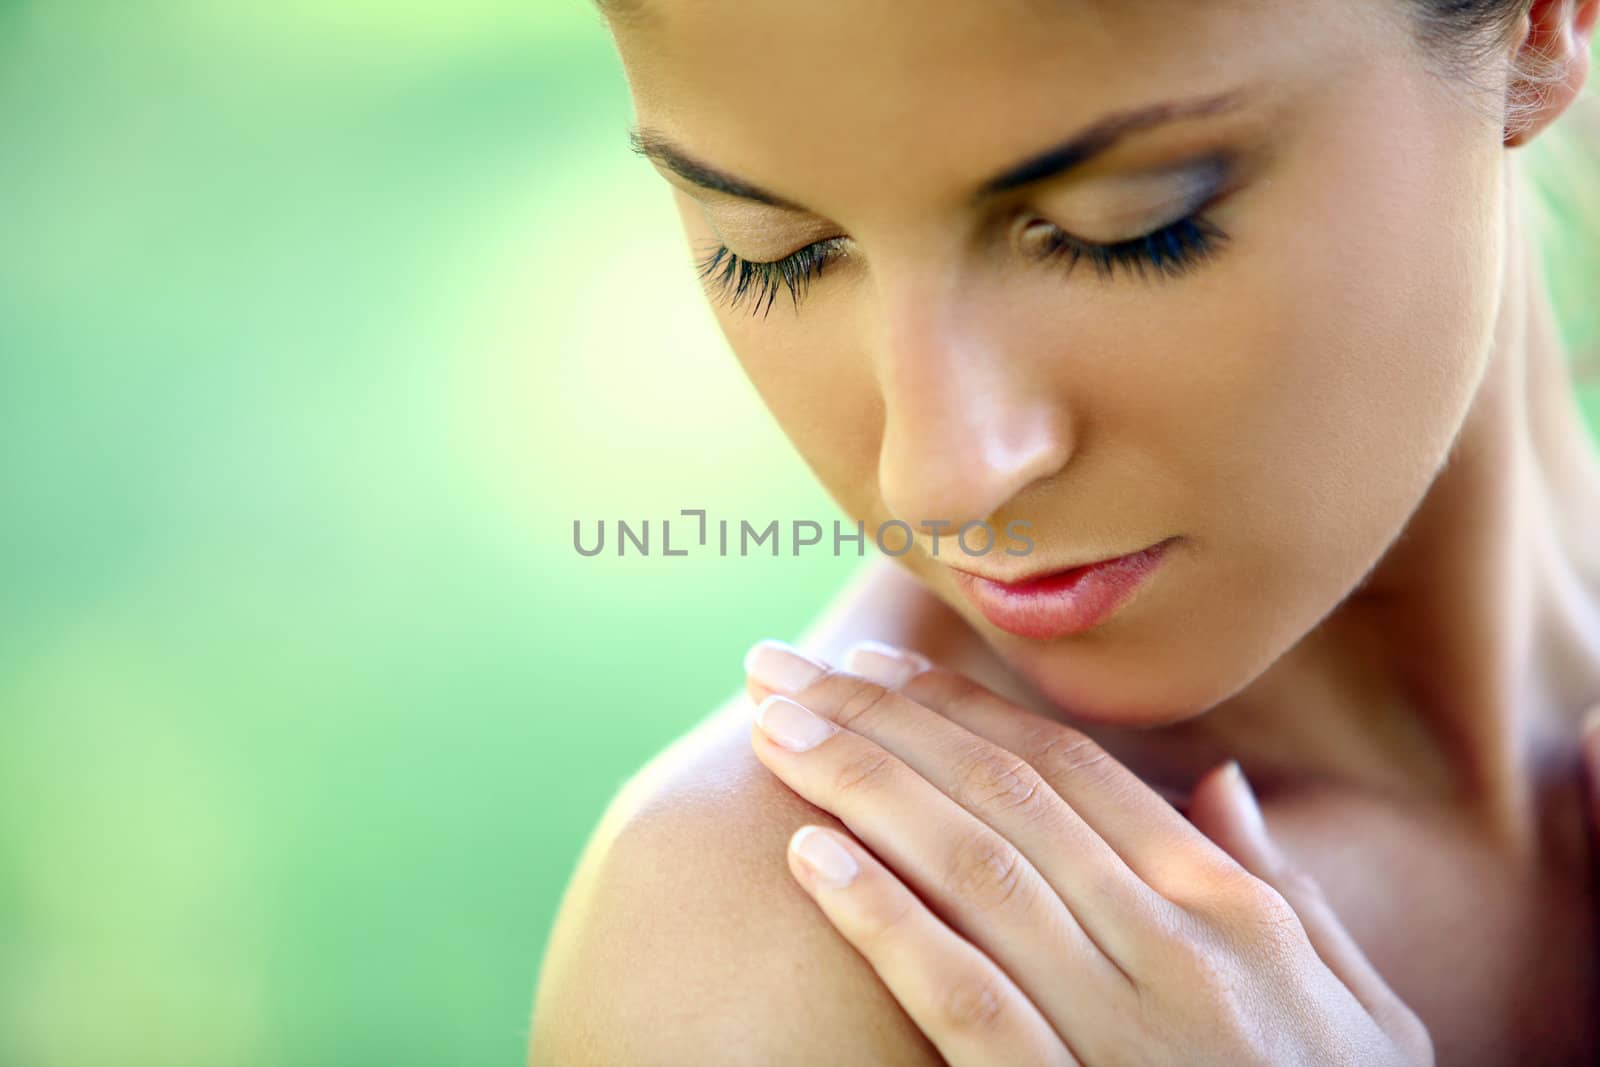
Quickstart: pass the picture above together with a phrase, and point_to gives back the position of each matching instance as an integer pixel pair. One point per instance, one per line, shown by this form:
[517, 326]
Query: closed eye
[731, 279]
[1169, 252]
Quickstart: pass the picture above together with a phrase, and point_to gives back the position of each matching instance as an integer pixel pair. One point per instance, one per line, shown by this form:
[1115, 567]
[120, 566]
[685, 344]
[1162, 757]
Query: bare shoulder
[683, 938]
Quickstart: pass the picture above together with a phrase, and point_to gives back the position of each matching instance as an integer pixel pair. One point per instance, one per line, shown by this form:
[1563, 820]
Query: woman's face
[1274, 390]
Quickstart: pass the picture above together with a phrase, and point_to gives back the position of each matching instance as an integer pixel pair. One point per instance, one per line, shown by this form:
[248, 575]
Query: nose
[973, 412]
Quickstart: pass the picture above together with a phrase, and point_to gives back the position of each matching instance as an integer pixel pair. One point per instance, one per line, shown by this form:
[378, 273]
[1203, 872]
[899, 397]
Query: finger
[887, 665]
[1224, 807]
[978, 881]
[1000, 789]
[893, 667]
[967, 1006]
[1146, 829]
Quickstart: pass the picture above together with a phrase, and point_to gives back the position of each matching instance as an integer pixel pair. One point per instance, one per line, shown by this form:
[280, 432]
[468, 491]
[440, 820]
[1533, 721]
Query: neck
[1457, 671]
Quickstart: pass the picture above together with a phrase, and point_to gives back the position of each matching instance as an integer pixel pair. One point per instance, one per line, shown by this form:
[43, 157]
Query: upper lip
[1033, 576]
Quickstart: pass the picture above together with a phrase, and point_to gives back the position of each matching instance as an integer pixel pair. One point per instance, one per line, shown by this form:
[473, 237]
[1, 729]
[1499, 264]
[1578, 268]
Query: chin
[1094, 685]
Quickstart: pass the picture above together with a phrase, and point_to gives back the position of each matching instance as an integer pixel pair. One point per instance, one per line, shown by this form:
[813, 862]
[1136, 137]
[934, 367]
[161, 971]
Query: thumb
[1224, 807]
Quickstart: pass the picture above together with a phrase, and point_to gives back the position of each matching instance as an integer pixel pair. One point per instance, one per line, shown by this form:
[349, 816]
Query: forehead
[779, 90]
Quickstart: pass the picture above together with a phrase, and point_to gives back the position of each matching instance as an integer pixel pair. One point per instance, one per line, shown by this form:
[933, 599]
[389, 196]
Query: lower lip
[1067, 602]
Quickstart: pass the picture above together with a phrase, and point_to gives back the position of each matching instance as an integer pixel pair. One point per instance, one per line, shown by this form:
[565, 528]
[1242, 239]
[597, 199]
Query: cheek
[819, 386]
[1309, 385]
[812, 374]
[1376, 323]
[1297, 402]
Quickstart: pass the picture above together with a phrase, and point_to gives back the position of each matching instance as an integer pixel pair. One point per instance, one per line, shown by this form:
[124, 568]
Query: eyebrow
[1054, 162]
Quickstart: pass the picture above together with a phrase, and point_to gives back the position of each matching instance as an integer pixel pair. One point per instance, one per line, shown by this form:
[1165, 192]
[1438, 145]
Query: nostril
[966, 472]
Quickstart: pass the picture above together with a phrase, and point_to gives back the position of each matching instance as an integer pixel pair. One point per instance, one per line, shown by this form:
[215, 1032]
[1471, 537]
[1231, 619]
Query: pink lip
[1064, 602]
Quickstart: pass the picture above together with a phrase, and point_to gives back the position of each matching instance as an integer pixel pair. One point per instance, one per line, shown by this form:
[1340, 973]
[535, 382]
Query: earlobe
[1549, 67]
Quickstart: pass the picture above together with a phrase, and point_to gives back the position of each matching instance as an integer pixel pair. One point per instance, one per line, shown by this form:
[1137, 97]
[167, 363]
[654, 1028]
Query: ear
[1550, 65]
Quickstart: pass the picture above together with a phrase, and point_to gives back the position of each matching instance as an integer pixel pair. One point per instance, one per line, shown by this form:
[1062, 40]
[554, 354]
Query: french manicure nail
[1249, 807]
[780, 666]
[789, 724]
[887, 665]
[833, 864]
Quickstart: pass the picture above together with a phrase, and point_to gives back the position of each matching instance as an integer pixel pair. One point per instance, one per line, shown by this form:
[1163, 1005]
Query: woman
[1237, 303]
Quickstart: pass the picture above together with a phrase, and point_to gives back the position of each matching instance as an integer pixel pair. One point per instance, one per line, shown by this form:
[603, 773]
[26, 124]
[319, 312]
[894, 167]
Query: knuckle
[1060, 752]
[986, 872]
[972, 1004]
[865, 771]
[1259, 900]
[859, 699]
[1259, 916]
[943, 689]
[880, 917]
[1275, 920]
[1235, 897]
[989, 778]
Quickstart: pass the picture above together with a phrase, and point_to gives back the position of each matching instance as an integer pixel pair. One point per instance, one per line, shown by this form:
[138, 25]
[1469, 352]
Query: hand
[1029, 900]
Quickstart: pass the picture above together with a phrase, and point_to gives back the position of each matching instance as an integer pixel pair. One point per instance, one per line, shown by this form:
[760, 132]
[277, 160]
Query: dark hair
[1471, 42]
[1449, 22]
[1473, 38]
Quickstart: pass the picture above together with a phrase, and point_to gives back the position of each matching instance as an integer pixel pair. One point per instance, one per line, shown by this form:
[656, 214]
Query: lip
[1063, 602]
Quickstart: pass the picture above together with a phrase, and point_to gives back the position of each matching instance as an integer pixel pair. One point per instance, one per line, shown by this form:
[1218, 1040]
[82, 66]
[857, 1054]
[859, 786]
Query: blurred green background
[319, 324]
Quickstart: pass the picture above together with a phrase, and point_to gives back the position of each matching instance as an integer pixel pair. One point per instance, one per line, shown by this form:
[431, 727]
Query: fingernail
[829, 860]
[780, 666]
[1249, 807]
[887, 665]
[791, 725]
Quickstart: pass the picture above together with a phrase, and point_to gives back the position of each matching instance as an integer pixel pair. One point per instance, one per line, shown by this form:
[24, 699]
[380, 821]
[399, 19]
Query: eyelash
[1171, 251]
[730, 278]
